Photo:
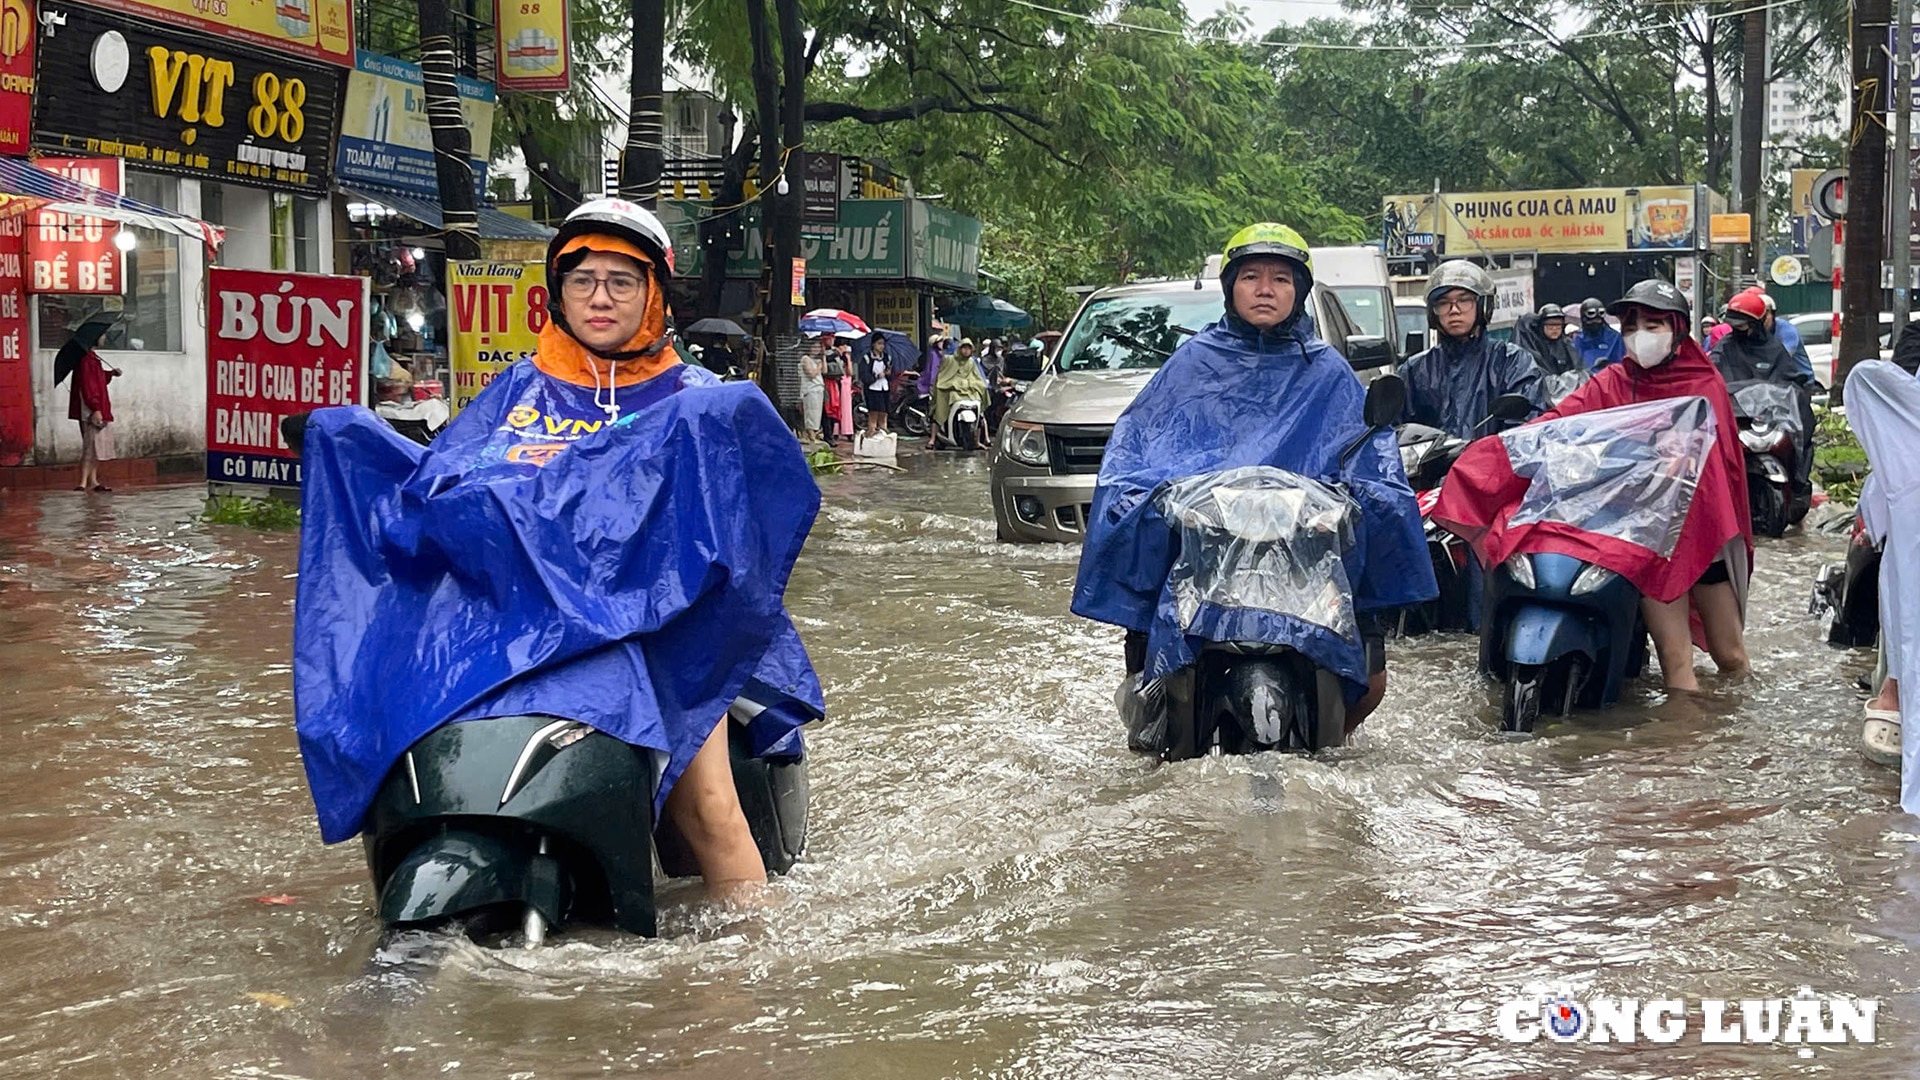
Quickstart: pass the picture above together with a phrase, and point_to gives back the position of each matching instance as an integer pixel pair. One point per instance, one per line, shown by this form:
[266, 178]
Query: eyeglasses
[582, 284]
[1455, 303]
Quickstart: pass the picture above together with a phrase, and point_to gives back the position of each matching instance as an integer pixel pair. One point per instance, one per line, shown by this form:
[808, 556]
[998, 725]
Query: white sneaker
[1880, 737]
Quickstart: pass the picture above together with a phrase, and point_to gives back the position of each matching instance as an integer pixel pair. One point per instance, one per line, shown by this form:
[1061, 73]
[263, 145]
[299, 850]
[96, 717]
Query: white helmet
[617, 217]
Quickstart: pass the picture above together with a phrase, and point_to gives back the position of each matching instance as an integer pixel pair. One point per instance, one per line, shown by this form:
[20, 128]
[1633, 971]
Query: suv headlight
[1023, 442]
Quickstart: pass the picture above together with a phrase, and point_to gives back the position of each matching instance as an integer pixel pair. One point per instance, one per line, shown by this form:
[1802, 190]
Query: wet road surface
[995, 887]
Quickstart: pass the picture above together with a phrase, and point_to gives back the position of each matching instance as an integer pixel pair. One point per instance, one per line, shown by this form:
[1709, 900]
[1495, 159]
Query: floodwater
[996, 888]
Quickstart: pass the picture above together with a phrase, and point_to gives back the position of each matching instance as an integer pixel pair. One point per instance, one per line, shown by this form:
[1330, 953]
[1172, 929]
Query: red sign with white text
[17, 35]
[16, 370]
[277, 344]
[67, 254]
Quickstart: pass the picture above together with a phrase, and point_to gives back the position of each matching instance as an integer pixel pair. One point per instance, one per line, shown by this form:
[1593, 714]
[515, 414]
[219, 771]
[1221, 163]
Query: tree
[1866, 195]
[452, 144]
[644, 158]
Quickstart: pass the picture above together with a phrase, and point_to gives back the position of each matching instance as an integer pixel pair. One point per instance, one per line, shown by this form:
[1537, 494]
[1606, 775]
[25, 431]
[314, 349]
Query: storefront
[389, 202]
[225, 122]
[887, 260]
[1572, 243]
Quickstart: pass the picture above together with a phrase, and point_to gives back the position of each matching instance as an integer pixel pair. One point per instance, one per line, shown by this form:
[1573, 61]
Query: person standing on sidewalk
[88, 403]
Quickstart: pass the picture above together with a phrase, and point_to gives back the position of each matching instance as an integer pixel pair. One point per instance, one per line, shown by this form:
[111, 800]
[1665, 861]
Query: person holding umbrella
[87, 399]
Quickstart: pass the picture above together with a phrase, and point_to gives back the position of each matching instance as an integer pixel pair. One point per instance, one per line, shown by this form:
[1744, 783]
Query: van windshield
[1367, 306]
[1137, 331]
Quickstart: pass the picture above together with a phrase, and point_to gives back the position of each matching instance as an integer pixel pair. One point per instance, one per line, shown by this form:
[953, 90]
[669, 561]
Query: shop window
[150, 319]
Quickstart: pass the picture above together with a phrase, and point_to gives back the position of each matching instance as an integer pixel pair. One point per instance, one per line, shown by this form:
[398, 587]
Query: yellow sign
[315, 29]
[799, 292]
[1730, 229]
[498, 310]
[1802, 197]
[1569, 219]
[530, 45]
[896, 309]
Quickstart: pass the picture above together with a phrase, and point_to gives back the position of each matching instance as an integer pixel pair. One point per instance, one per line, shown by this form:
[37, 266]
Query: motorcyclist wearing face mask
[1665, 362]
[1452, 385]
[1750, 352]
[1789, 340]
[1599, 344]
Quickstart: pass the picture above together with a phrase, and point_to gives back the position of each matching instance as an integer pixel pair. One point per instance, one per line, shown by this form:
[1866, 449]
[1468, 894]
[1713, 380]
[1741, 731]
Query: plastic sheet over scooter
[1779, 406]
[1627, 473]
[632, 580]
[1883, 404]
[1261, 538]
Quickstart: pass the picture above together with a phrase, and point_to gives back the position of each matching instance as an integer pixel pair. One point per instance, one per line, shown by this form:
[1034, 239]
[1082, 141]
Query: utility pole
[1753, 131]
[1866, 194]
[643, 159]
[1900, 190]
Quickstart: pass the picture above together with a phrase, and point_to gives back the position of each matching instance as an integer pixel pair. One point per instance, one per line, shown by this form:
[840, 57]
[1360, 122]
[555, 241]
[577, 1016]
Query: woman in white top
[813, 389]
[873, 376]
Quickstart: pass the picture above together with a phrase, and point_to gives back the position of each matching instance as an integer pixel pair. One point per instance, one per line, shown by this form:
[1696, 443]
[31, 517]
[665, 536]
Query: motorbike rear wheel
[911, 420]
[1769, 509]
[1520, 710]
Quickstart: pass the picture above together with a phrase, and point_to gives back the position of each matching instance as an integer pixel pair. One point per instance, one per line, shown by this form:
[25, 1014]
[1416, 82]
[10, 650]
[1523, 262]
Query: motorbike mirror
[1511, 407]
[1025, 365]
[1386, 401]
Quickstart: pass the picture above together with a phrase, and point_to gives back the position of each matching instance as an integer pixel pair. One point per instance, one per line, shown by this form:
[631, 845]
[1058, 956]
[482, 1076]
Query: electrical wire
[1327, 46]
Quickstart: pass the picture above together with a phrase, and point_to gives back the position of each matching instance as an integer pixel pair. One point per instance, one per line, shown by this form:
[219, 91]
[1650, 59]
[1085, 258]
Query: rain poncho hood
[1883, 404]
[1484, 489]
[1232, 397]
[1451, 386]
[1556, 356]
[543, 558]
[1599, 347]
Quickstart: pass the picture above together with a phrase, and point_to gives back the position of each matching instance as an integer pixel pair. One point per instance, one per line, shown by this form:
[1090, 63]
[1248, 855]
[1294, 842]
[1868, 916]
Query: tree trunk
[1753, 129]
[783, 211]
[1865, 237]
[644, 158]
[1716, 153]
[721, 233]
[452, 144]
[766, 93]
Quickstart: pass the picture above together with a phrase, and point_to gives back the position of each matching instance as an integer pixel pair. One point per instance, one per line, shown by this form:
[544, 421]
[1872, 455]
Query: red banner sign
[17, 35]
[16, 370]
[277, 344]
[67, 254]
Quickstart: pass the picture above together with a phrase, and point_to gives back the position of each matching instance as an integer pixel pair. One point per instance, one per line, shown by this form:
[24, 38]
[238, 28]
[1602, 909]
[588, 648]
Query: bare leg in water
[1673, 636]
[706, 808]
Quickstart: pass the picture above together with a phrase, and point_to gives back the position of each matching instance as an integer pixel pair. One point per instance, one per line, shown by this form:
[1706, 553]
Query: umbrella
[901, 355]
[988, 313]
[85, 337]
[717, 328]
[833, 321]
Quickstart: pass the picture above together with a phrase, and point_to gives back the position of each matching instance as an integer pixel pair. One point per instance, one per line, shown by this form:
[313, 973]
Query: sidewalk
[119, 473]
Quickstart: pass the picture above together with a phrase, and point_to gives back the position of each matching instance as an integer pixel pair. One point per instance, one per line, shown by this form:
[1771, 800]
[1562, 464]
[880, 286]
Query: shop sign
[16, 369]
[530, 45]
[385, 139]
[1730, 229]
[17, 35]
[315, 29]
[946, 247]
[67, 254]
[496, 312]
[1512, 296]
[1570, 220]
[277, 344]
[798, 294]
[185, 104]
[895, 309]
[820, 193]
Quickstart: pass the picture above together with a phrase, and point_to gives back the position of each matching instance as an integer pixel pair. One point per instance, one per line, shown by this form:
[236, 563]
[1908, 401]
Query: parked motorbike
[1427, 453]
[1849, 592]
[1772, 430]
[1561, 633]
[911, 408]
[1266, 538]
[533, 822]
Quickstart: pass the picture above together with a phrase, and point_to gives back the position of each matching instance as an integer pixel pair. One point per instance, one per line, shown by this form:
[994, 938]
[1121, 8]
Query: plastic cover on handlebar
[1628, 472]
[1263, 538]
[1774, 405]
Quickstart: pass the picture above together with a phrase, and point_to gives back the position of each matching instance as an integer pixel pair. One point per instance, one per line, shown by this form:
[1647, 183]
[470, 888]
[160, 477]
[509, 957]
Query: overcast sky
[1267, 14]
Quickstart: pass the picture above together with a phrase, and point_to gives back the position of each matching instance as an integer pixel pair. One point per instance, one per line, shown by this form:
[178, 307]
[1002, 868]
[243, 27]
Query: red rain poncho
[1482, 491]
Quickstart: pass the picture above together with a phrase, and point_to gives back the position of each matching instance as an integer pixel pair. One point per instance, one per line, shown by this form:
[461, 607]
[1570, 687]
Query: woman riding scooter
[1663, 362]
[603, 536]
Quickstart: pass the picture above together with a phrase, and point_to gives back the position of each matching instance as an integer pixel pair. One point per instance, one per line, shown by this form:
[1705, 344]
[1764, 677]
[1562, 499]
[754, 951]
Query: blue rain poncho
[1233, 397]
[1451, 386]
[540, 558]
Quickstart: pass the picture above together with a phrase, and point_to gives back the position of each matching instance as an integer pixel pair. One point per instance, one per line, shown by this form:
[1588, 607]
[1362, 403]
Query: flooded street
[995, 886]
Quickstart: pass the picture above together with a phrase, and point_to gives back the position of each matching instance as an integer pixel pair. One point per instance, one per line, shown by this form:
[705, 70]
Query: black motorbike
[1849, 592]
[1249, 697]
[1773, 419]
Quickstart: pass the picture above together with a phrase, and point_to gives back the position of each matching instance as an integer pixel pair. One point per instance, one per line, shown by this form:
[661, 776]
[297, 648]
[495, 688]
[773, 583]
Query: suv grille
[1076, 451]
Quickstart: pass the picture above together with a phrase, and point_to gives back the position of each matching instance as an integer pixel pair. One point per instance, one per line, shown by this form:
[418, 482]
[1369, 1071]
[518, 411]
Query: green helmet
[1267, 238]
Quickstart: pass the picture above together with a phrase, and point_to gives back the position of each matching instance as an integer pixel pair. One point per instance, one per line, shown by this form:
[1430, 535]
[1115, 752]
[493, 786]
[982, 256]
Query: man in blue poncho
[1452, 385]
[604, 535]
[1258, 387]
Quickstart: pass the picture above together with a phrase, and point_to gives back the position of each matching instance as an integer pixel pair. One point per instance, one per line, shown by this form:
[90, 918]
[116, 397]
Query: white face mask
[1650, 348]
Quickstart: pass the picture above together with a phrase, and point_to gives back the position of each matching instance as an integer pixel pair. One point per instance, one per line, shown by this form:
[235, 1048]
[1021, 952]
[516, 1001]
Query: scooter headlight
[1520, 569]
[1025, 443]
[1592, 579]
[1759, 440]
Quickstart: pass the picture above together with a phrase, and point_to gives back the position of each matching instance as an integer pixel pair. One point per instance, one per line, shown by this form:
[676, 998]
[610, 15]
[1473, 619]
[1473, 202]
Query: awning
[494, 225]
[21, 180]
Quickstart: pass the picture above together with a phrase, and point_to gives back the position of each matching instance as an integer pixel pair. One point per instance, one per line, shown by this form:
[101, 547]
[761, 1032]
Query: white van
[1358, 276]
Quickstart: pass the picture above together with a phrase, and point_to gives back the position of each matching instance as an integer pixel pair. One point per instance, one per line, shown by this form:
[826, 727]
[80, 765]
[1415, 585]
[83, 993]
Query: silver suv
[1047, 455]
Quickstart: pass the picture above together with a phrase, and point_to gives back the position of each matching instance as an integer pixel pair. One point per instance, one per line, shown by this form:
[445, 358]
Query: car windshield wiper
[1125, 338]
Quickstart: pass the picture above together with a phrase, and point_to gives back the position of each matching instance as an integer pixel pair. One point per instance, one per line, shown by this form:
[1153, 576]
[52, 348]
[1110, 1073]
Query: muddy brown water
[995, 888]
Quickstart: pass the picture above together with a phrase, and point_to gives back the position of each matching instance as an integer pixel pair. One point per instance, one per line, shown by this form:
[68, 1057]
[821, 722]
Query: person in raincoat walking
[1258, 387]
